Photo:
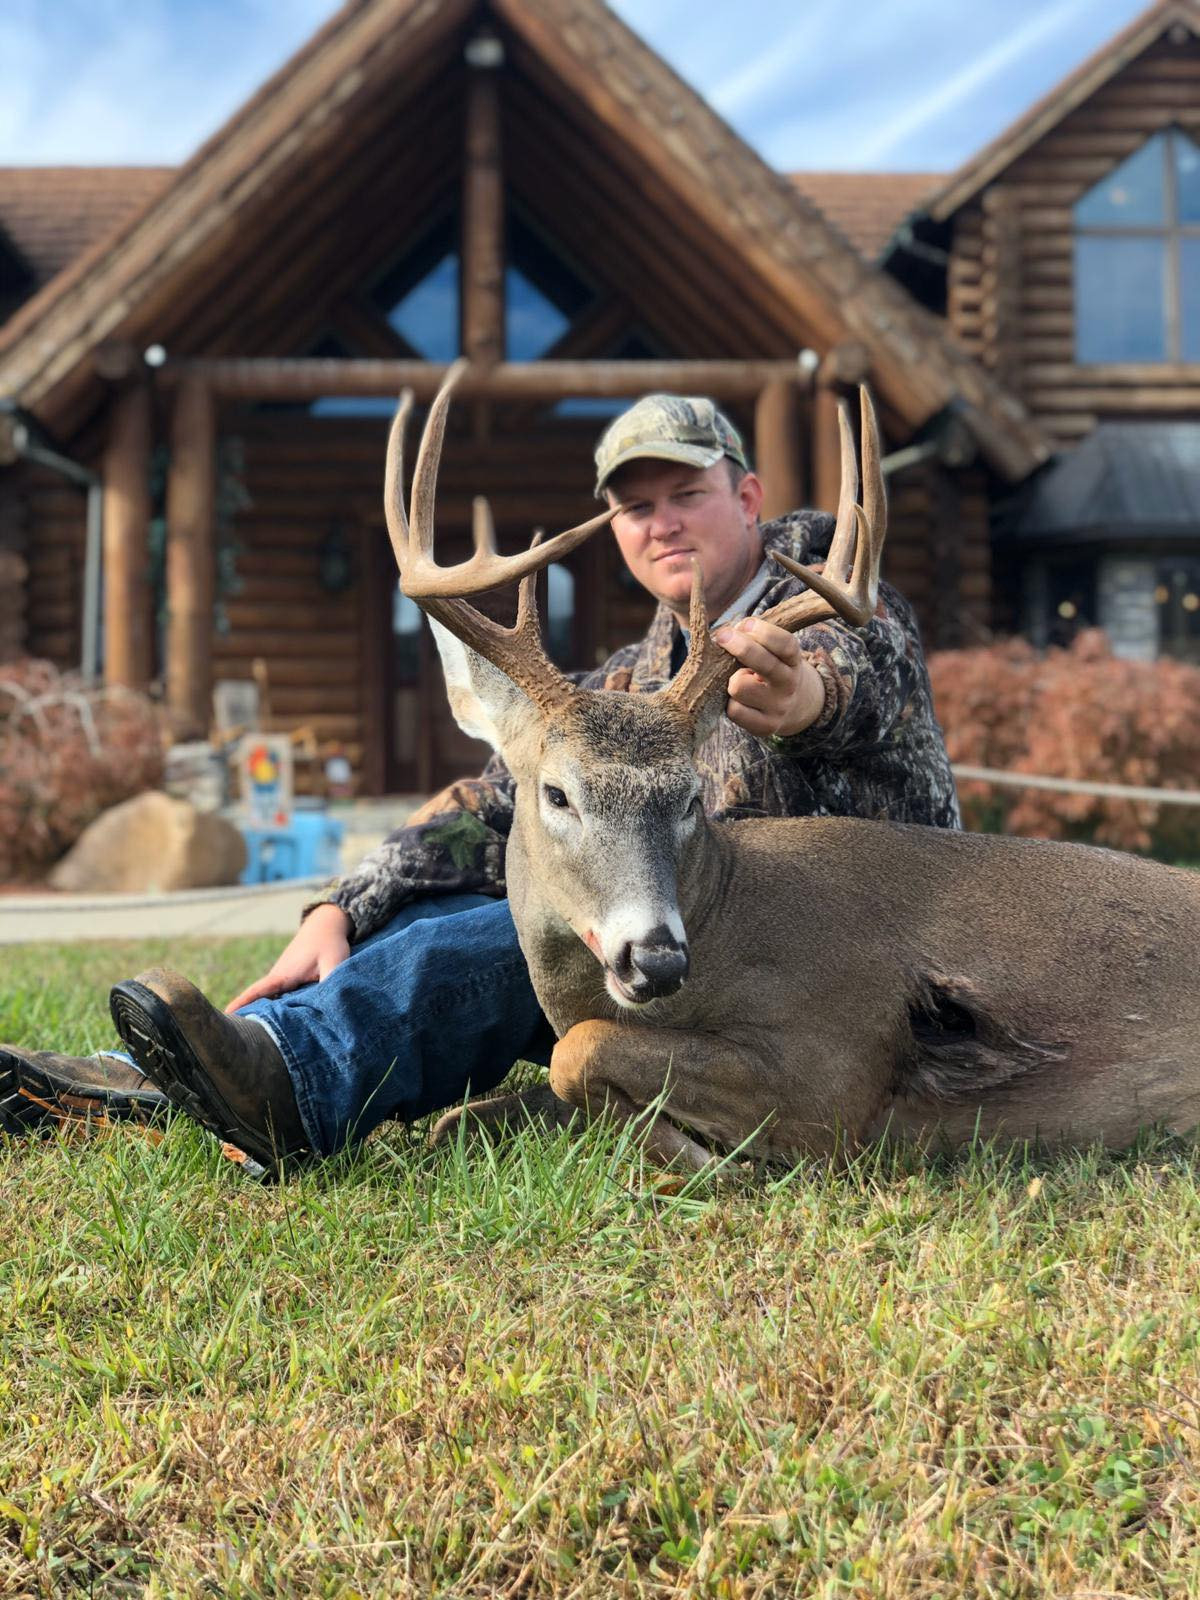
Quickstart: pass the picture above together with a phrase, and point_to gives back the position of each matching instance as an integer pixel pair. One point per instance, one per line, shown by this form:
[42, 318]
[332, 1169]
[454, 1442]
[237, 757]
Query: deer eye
[556, 797]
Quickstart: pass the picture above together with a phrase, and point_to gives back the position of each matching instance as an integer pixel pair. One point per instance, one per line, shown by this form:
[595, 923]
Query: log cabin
[197, 365]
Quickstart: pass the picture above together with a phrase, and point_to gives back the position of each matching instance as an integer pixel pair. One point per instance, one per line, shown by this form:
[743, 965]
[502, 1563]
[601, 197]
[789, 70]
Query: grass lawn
[531, 1371]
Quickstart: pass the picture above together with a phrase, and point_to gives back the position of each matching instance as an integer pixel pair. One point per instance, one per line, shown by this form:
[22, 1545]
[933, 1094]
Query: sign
[265, 779]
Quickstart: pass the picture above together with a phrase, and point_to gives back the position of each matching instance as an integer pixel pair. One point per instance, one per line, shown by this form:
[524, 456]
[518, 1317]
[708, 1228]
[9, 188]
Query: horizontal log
[271, 379]
[332, 616]
[1122, 400]
[323, 726]
[298, 672]
[280, 642]
[1148, 376]
[315, 699]
[60, 645]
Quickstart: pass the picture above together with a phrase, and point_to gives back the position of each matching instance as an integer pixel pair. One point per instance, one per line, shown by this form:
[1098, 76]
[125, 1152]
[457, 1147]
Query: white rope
[1108, 791]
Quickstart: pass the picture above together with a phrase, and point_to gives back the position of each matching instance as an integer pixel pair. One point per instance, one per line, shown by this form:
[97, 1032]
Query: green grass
[532, 1371]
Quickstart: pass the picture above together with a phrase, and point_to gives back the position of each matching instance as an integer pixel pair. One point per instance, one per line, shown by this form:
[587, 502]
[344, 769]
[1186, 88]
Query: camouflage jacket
[875, 750]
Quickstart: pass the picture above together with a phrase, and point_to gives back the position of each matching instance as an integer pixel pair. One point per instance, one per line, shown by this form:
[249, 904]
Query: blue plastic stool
[310, 846]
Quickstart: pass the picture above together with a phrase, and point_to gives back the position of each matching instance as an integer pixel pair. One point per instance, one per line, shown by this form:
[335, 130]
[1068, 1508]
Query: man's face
[673, 514]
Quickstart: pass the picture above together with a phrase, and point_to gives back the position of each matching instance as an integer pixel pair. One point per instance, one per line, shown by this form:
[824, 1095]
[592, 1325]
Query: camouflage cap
[667, 427]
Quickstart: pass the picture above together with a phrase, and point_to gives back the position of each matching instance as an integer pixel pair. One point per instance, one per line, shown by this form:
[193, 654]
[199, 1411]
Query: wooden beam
[270, 378]
[126, 473]
[826, 449]
[190, 562]
[777, 447]
[483, 216]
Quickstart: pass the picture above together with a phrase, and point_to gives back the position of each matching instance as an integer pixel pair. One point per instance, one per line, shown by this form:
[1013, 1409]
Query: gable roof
[584, 54]
[50, 215]
[1053, 107]
[867, 207]
[53, 214]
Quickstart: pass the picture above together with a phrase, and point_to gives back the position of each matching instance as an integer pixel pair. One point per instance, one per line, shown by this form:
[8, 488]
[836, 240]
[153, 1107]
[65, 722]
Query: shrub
[1076, 713]
[67, 753]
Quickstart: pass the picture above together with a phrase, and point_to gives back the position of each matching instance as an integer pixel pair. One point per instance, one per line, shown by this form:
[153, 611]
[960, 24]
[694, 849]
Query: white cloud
[916, 83]
[970, 78]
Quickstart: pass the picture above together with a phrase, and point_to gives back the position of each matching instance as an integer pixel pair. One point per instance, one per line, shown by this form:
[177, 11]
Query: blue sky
[915, 85]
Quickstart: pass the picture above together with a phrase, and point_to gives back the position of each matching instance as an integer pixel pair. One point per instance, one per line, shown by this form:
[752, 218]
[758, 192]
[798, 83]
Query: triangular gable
[583, 55]
[1144, 31]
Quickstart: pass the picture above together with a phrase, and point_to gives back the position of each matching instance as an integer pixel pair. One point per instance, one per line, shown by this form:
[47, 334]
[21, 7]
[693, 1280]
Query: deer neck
[704, 874]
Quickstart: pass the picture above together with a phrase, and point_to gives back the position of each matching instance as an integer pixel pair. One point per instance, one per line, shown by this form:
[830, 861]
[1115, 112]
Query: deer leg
[506, 1114]
[619, 1070]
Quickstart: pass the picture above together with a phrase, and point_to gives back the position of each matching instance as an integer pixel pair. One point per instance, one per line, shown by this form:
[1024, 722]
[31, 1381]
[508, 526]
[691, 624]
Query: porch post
[483, 207]
[843, 368]
[190, 559]
[126, 473]
[826, 448]
[777, 447]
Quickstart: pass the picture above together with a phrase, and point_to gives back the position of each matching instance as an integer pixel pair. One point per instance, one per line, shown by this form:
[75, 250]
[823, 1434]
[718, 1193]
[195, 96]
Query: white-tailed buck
[814, 983]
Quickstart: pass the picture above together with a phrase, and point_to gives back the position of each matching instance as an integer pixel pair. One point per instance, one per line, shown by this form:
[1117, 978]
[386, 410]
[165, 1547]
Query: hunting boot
[40, 1090]
[225, 1072]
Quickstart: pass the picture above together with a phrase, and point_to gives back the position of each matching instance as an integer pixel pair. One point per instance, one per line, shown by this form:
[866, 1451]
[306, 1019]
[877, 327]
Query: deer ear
[709, 713]
[486, 702]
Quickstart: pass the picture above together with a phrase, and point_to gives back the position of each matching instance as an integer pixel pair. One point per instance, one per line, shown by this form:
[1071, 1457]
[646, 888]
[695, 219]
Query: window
[1177, 596]
[420, 296]
[560, 613]
[1137, 257]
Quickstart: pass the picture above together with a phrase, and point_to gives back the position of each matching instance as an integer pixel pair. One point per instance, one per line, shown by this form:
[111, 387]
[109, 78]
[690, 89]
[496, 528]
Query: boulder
[149, 844]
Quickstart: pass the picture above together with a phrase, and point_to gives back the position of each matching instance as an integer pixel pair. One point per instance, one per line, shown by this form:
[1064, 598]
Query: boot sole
[148, 1029]
[33, 1100]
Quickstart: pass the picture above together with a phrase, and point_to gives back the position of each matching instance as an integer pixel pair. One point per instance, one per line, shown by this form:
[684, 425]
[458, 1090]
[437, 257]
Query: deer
[790, 988]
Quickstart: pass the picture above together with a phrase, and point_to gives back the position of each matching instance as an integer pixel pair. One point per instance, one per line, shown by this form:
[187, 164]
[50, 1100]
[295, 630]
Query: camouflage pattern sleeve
[870, 676]
[454, 844]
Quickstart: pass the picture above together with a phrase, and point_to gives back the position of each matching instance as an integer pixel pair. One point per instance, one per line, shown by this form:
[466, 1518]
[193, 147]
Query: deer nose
[653, 968]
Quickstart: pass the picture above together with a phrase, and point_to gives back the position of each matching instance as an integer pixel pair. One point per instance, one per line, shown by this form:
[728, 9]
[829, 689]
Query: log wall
[1010, 279]
[14, 573]
[325, 653]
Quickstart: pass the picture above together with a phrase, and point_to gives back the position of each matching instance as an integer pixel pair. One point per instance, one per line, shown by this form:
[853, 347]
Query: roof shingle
[867, 207]
[53, 214]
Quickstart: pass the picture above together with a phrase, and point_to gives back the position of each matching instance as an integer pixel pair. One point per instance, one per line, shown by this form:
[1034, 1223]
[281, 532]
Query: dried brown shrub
[67, 753]
[1077, 713]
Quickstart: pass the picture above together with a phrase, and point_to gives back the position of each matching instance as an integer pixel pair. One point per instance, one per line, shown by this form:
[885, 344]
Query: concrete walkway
[212, 913]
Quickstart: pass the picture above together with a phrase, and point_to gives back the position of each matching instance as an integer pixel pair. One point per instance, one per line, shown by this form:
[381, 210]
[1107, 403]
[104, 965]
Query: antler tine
[848, 587]
[483, 526]
[706, 661]
[874, 491]
[516, 651]
[420, 575]
[393, 481]
[841, 547]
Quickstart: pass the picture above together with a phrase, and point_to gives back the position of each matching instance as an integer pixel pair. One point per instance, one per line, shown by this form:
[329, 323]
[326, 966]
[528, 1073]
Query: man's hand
[775, 690]
[322, 943]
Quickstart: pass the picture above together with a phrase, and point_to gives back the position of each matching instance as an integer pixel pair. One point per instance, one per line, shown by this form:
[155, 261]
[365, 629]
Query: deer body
[851, 980]
[809, 984]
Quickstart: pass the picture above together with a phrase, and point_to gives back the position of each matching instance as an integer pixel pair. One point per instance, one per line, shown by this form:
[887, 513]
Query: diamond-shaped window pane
[427, 316]
[532, 323]
[1133, 196]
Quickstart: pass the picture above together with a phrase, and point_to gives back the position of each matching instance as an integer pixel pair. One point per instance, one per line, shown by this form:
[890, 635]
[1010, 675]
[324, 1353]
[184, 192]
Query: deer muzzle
[651, 969]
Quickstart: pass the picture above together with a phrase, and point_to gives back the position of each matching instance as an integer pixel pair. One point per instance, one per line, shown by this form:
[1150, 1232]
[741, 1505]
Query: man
[405, 985]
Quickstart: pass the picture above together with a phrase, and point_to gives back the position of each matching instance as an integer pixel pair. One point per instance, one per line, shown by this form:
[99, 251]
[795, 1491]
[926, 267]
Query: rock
[152, 843]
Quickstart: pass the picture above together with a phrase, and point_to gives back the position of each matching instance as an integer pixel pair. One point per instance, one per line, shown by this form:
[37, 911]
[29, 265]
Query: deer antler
[848, 587]
[439, 591]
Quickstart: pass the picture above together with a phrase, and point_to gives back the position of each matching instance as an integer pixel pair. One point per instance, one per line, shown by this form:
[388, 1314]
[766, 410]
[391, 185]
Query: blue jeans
[436, 1003]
